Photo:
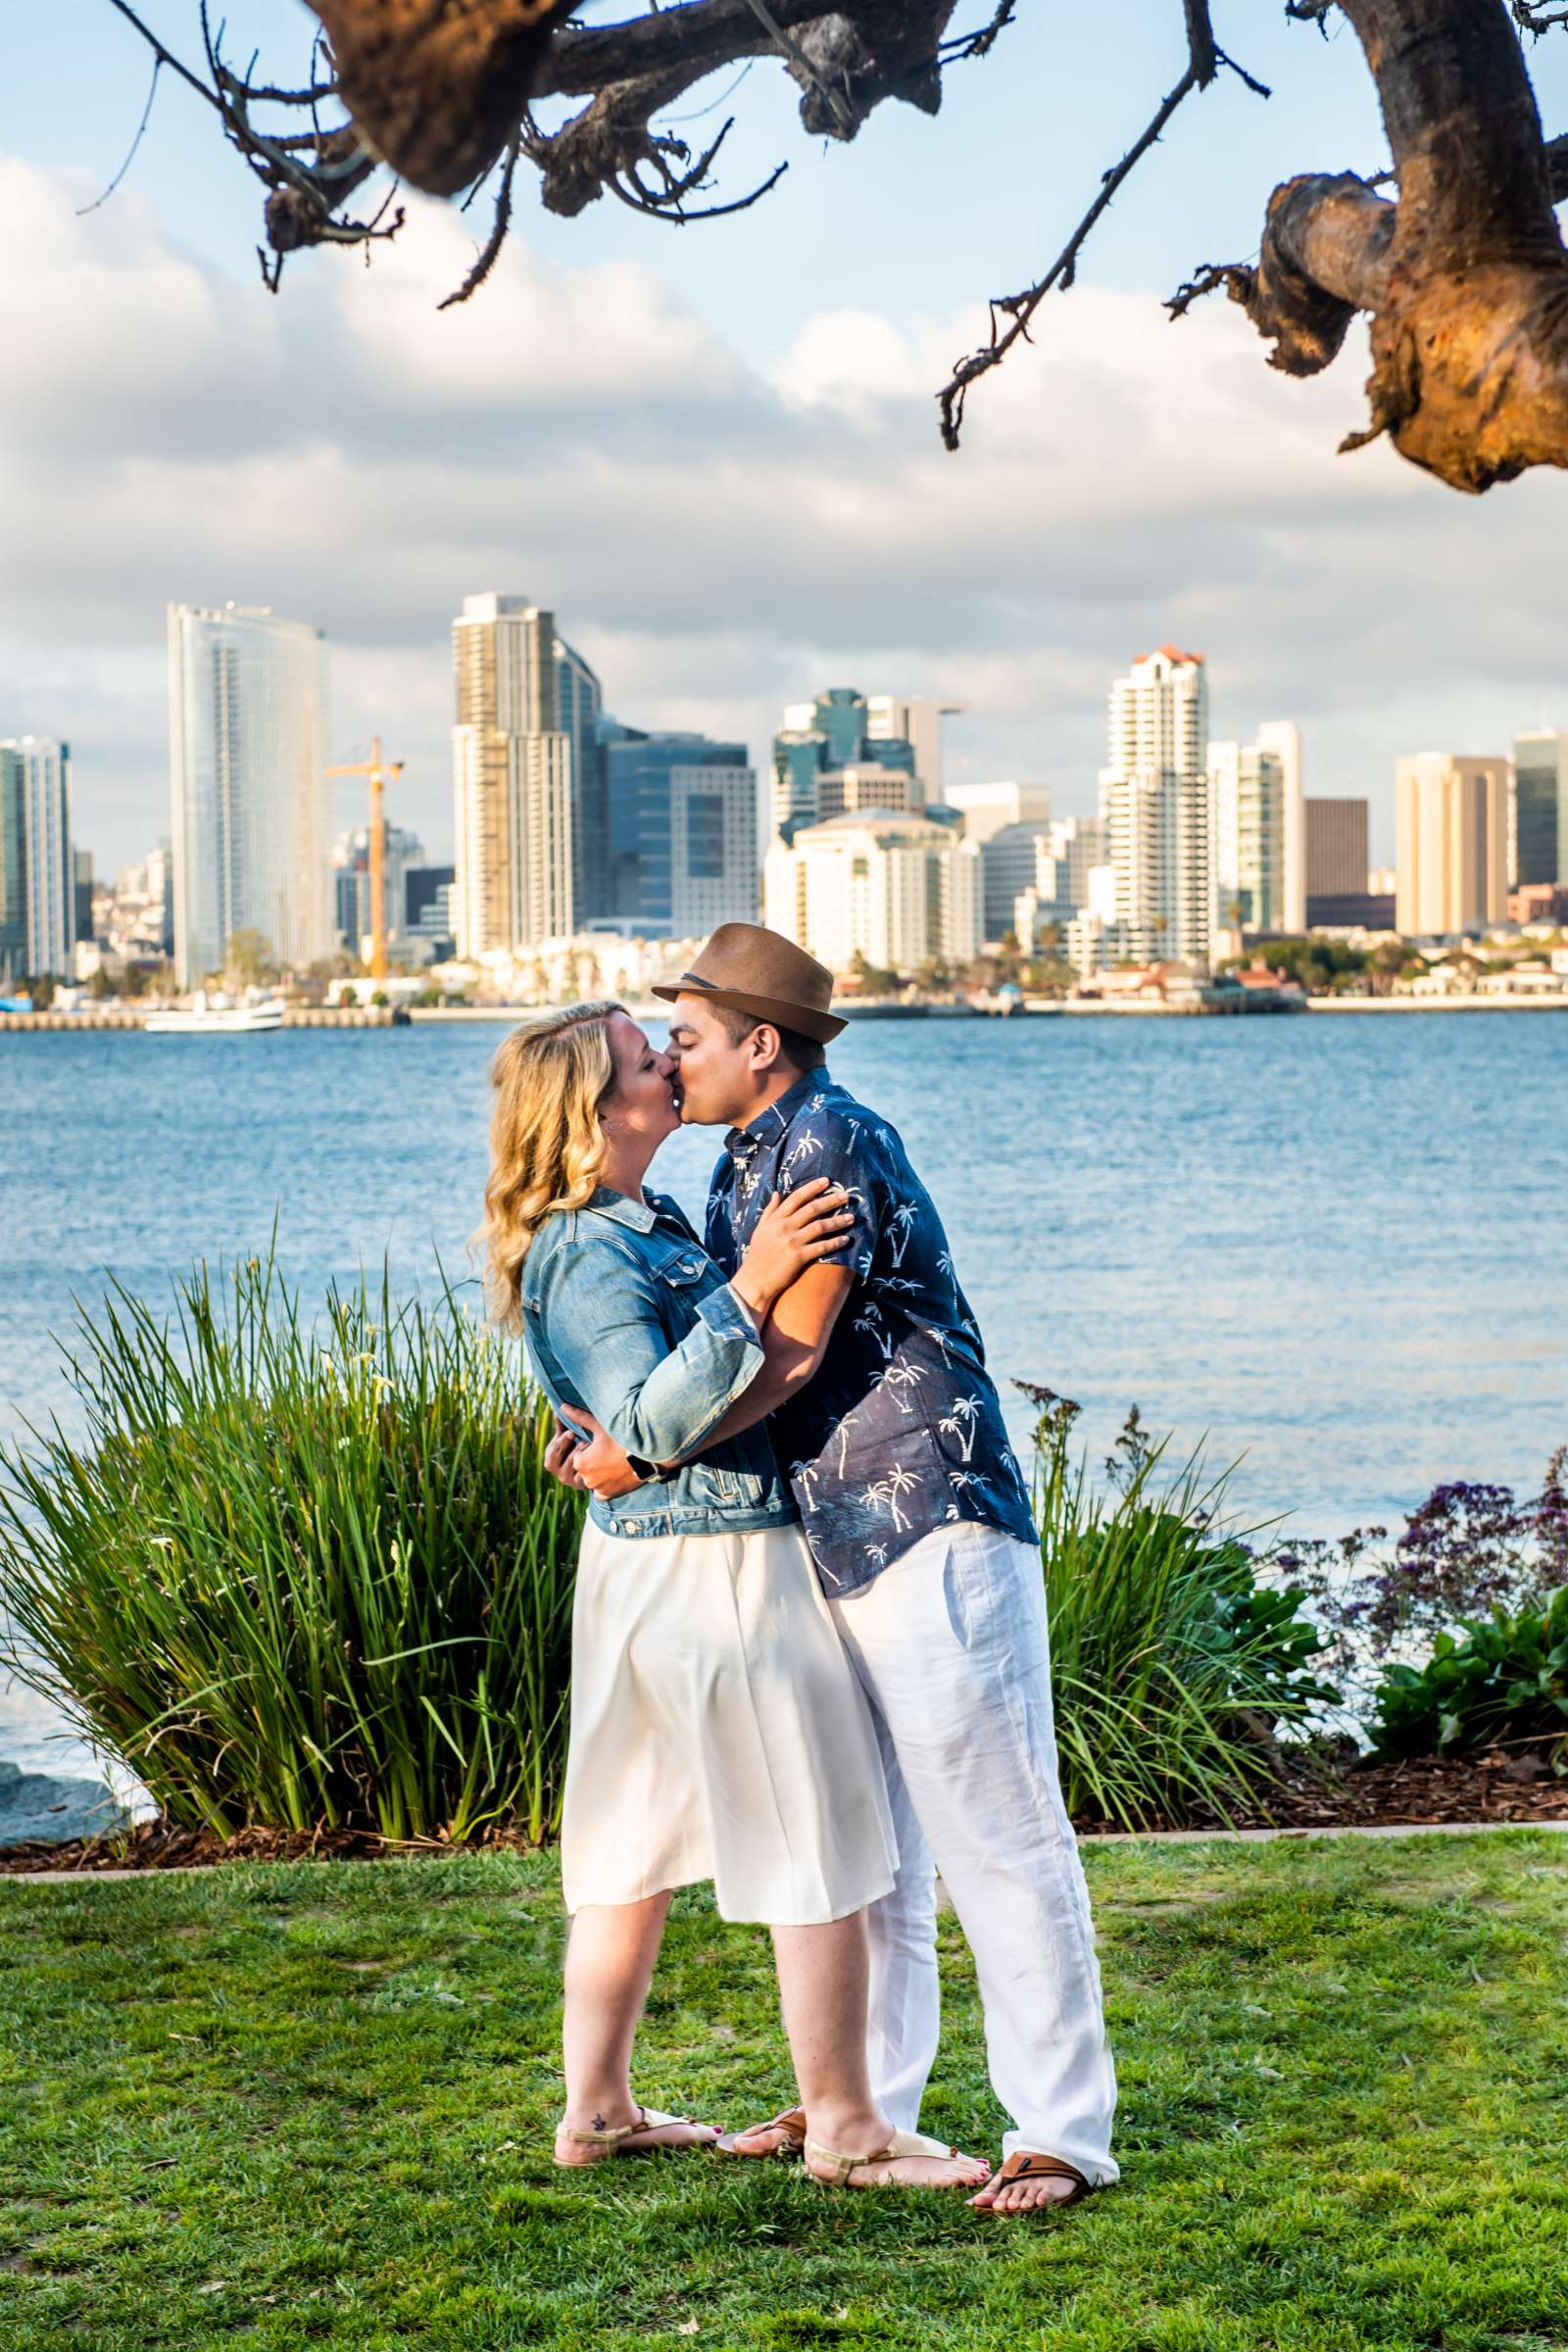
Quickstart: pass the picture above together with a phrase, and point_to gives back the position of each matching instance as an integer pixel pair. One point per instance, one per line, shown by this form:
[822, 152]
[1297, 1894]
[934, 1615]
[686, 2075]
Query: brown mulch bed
[1492, 1787]
[1422, 1792]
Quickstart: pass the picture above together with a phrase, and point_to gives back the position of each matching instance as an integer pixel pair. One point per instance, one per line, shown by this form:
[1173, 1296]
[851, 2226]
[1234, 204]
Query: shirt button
[615, 1527]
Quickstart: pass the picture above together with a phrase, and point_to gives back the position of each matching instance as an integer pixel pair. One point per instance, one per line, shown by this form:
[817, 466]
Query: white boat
[216, 1017]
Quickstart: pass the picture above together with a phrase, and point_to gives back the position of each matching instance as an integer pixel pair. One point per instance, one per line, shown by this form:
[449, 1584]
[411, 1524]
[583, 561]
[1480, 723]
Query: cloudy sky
[713, 450]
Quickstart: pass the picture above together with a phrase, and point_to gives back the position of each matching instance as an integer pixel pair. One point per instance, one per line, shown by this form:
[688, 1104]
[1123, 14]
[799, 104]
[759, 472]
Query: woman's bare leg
[823, 1974]
[610, 1964]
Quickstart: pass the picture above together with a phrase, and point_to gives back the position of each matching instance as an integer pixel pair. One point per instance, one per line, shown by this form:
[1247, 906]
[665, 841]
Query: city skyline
[125, 837]
[568, 819]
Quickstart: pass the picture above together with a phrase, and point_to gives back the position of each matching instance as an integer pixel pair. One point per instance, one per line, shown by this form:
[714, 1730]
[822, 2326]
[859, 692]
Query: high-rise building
[579, 708]
[1336, 849]
[1541, 808]
[13, 866]
[426, 892]
[1009, 860]
[817, 741]
[37, 857]
[1068, 857]
[351, 882]
[1154, 805]
[895, 888]
[248, 734]
[1247, 816]
[1451, 828]
[515, 781]
[1283, 737]
[915, 719]
[81, 894]
[682, 832]
[986, 808]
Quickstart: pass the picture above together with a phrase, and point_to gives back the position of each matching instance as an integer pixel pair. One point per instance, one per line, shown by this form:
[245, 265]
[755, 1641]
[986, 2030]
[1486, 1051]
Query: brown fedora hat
[763, 973]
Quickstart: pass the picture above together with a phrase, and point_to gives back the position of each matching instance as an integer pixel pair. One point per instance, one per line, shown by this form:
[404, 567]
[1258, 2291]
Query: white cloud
[715, 538]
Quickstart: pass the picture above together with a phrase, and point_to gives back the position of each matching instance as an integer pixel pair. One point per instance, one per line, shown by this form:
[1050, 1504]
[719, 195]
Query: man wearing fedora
[918, 1517]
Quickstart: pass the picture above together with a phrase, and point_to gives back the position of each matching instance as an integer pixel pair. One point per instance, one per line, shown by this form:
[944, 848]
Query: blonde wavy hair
[547, 1149]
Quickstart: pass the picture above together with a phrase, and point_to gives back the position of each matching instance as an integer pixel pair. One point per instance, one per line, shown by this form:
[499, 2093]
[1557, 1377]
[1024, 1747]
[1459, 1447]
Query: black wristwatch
[644, 1468]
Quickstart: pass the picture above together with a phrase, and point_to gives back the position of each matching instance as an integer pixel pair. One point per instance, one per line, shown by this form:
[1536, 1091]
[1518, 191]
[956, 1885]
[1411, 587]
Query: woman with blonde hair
[718, 1732]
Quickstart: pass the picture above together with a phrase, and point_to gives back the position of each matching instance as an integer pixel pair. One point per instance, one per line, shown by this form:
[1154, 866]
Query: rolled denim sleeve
[606, 1331]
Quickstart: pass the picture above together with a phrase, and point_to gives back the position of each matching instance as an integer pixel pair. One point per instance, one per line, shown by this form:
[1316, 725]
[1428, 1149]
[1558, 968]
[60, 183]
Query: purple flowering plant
[1471, 1548]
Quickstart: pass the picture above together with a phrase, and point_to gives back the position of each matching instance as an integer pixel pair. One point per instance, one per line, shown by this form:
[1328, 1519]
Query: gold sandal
[844, 2168]
[614, 2141]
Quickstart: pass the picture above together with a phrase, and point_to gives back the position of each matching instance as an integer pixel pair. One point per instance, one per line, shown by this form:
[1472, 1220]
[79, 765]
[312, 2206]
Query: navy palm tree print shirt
[901, 1432]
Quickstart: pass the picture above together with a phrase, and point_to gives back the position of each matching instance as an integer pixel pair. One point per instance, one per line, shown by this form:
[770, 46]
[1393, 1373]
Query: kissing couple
[810, 1656]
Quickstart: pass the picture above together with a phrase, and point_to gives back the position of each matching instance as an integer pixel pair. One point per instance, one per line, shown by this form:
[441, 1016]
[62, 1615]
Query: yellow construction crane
[378, 769]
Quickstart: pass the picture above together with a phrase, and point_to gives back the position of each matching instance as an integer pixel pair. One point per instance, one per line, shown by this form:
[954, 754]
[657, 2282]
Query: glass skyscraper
[579, 705]
[682, 832]
[820, 739]
[1541, 808]
[38, 859]
[13, 870]
[248, 734]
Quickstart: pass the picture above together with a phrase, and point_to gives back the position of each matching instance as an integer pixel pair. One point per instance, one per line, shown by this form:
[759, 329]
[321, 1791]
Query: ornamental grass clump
[1174, 1661]
[300, 1573]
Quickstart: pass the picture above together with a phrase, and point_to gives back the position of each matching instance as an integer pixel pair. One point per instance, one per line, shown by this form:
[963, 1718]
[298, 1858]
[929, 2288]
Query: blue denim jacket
[625, 1314]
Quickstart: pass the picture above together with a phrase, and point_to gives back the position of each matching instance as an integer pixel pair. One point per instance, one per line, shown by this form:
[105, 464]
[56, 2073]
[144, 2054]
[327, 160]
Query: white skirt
[718, 1731]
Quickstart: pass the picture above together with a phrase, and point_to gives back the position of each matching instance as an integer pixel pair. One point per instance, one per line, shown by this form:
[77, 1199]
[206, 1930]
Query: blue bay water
[1330, 1246]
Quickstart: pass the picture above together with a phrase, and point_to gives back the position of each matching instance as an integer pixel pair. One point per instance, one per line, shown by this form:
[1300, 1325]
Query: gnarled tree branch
[1464, 277]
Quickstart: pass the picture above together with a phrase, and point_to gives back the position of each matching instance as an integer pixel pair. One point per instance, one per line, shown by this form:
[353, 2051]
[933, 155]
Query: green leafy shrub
[301, 1576]
[1503, 1680]
[1173, 1662]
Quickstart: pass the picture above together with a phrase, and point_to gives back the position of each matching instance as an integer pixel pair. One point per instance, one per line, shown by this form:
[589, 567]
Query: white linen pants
[950, 1644]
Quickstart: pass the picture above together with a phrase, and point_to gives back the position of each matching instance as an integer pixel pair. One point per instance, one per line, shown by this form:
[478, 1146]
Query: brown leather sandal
[792, 2123]
[1023, 2164]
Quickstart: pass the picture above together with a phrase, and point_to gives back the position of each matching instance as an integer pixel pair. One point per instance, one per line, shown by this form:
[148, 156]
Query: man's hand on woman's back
[597, 1466]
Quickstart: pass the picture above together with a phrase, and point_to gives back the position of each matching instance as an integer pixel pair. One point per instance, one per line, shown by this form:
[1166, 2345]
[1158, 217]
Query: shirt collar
[625, 1212]
[771, 1125]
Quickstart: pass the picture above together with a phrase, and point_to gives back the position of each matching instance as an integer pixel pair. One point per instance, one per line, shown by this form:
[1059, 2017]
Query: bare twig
[1205, 281]
[258, 95]
[1259, 90]
[709, 212]
[1204, 58]
[981, 43]
[146, 112]
[493, 243]
[1534, 18]
[166, 57]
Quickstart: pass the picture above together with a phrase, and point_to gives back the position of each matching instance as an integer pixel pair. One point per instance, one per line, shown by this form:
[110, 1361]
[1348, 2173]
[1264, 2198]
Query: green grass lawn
[281, 2107]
